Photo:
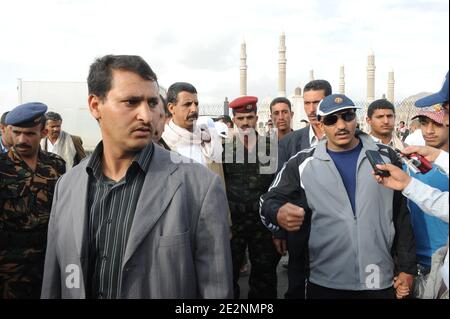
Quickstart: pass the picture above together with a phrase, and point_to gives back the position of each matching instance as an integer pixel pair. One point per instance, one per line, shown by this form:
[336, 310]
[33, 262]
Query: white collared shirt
[395, 142]
[50, 145]
[313, 139]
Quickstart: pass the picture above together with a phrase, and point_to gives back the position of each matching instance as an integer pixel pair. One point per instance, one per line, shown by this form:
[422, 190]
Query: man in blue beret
[27, 180]
[355, 223]
[249, 164]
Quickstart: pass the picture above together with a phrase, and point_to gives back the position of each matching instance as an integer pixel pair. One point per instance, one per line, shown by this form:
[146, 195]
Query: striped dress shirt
[111, 207]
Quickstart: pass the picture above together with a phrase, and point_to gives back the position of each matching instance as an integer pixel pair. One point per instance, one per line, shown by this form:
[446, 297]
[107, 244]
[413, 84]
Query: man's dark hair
[100, 73]
[164, 103]
[280, 100]
[3, 118]
[53, 116]
[380, 104]
[225, 118]
[174, 89]
[317, 85]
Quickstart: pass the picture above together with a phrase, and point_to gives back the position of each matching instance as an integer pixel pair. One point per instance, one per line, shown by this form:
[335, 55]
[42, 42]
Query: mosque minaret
[370, 77]
[391, 84]
[342, 80]
[282, 66]
[243, 70]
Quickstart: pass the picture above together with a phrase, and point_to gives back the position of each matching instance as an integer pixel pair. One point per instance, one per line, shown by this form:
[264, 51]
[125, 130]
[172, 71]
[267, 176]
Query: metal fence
[212, 110]
[404, 110]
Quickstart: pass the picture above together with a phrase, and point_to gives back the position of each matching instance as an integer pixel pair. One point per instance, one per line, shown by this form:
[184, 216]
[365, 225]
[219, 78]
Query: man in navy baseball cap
[334, 103]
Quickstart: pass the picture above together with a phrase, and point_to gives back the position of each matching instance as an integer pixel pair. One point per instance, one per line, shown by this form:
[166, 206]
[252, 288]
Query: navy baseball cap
[436, 98]
[26, 115]
[334, 103]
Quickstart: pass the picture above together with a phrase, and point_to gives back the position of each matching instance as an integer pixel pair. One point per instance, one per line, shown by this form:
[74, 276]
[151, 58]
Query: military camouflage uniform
[245, 183]
[25, 204]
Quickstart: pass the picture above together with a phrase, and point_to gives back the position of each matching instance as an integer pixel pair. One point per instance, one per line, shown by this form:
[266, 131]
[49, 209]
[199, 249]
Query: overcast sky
[199, 42]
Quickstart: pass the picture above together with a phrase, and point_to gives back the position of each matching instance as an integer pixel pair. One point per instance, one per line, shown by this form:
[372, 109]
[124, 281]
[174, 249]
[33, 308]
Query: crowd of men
[169, 204]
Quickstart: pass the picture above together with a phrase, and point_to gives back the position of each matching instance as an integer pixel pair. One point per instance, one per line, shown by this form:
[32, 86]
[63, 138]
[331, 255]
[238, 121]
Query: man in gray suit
[128, 222]
[290, 145]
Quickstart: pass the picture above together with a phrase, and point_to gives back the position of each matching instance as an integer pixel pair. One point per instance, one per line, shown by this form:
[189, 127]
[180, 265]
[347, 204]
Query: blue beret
[334, 103]
[26, 115]
[244, 104]
[436, 98]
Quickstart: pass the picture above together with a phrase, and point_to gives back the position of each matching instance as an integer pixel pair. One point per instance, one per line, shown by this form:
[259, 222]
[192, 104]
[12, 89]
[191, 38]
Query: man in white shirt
[381, 119]
[57, 141]
[181, 134]
[431, 200]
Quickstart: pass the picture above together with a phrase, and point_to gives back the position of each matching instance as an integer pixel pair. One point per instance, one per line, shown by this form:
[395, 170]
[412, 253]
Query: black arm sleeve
[404, 247]
[285, 188]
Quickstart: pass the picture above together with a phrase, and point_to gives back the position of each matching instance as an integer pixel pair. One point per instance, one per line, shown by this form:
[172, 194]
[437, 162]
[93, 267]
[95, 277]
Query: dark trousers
[314, 291]
[297, 243]
[263, 260]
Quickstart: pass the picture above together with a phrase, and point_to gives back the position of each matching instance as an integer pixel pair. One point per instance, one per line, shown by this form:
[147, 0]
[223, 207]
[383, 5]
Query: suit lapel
[156, 193]
[80, 209]
[304, 140]
[79, 216]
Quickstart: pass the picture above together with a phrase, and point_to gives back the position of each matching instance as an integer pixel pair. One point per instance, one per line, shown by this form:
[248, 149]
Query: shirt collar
[3, 148]
[141, 160]
[377, 140]
[313, 140]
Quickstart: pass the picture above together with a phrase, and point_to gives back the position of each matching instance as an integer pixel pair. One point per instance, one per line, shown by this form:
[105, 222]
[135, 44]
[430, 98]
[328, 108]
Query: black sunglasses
[333, 118]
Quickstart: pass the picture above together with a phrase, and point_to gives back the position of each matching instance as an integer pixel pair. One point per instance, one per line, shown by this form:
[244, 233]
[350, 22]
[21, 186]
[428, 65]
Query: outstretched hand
[398, 179]
[430, 153]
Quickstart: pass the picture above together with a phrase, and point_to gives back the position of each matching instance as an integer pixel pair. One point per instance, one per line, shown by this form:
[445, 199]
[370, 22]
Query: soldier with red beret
[249, 163]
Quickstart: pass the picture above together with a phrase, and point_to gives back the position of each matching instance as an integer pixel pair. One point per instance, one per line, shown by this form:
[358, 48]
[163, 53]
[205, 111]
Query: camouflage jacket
[25, 202]
[248, 173]
[25, 195]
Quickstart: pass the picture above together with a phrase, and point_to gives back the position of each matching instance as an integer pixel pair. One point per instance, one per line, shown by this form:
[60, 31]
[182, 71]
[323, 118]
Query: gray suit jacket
[179, 240]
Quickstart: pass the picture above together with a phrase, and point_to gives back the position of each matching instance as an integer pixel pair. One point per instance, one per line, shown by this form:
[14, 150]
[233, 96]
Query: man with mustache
[159, 120]
[129, 222]
[182, 135]
[355, 224]
[294, 241]
[69, 147]
[249, 164]
[27, 181]
[381, 119]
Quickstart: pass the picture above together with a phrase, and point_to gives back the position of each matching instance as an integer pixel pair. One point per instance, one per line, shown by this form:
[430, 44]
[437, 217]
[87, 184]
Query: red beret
[244, 104]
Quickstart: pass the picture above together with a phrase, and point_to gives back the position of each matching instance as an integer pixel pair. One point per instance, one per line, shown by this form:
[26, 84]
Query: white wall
[68, 99]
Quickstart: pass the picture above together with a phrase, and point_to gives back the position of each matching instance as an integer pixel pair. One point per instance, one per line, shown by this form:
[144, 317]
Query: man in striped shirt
[129, 222]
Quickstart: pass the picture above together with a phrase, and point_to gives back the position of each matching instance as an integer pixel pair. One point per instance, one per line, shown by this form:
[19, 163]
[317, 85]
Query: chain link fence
[404, 110]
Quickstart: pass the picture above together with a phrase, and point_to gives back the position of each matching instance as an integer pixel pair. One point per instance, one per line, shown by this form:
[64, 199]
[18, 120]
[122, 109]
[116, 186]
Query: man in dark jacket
[290, 145]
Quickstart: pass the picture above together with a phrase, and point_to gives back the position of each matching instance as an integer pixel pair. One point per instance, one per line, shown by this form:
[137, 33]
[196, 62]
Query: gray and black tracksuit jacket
[348, 251]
